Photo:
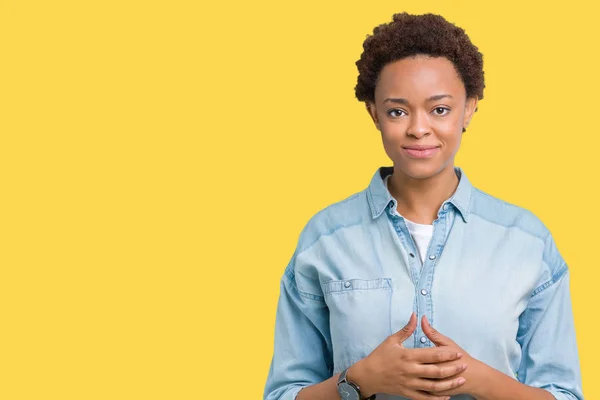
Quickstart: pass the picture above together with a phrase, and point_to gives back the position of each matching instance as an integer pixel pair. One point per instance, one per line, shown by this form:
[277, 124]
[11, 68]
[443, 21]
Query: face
[421, 109]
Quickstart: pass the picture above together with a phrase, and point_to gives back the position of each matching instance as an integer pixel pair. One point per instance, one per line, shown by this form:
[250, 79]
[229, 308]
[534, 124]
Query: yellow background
[158, 160]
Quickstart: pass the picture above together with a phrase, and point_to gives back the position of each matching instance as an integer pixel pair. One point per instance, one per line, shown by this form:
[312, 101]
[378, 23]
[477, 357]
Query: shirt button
[432, 257]
[347, 284]
[446, 206]
[424, 292]
[423, 339]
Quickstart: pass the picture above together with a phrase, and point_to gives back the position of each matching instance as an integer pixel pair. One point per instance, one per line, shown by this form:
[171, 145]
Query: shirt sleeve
[302, 349]
[546, 333]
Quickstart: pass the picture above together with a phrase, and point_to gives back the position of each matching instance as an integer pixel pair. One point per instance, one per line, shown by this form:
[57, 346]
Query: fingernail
[465, 366]
[461, 381]
[458, 355]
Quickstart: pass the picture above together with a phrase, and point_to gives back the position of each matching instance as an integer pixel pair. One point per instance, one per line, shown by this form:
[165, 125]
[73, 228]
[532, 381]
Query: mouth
[421, 151]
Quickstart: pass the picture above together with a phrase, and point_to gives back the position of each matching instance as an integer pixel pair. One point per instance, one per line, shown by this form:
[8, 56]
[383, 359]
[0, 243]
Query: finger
[437, 338]
[433, 355]
[451, 392]
[407, 330]
[433, 371]
[438, 387]
[422, 395]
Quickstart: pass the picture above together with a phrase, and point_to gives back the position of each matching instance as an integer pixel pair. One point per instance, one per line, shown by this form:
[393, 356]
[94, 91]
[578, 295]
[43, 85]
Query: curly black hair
[408, 35]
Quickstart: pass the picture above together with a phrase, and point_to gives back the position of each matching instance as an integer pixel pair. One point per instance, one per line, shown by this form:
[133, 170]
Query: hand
[476, 370]
[391, 368]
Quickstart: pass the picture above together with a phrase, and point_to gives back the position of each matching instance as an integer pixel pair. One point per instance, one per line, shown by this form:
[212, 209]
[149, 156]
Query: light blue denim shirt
[493, 281]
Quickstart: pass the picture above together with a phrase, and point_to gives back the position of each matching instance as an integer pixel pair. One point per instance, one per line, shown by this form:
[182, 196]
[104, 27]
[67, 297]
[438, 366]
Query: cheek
[450, 133]
[393, 132]
[392, 140]
[452, 145]
[456, 143]
[448, 126]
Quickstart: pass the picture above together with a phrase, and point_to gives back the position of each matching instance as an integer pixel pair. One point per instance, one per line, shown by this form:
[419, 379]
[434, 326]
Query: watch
[348, 390]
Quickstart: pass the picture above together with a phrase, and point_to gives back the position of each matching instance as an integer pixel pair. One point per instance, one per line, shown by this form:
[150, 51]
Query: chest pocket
[359, 317]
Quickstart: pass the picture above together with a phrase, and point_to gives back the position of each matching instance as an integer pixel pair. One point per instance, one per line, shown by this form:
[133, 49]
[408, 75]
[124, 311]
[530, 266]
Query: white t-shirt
[421, 233]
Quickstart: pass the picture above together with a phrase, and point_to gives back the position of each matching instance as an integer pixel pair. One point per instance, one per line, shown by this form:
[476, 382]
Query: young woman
[420, 248]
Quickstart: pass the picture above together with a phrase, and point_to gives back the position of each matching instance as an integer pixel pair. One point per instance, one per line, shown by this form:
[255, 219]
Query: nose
[419, 125]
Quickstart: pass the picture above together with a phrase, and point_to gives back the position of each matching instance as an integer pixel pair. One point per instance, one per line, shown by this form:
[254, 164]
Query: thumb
[407, 330]
[437, 338]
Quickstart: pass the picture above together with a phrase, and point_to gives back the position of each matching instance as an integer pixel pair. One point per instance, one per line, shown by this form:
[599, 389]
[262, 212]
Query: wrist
[493, 384]
[481, 382]
[358, 373]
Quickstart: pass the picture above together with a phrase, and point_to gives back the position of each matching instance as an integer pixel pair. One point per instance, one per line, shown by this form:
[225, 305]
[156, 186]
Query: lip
[421, 151]
[420, 147]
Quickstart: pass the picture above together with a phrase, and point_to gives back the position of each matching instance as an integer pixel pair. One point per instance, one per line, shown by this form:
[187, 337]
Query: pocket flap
[356, 284]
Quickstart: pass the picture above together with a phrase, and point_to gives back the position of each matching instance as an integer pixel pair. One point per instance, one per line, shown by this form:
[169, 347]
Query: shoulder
[500, 212]
[511, 216]
[343, 214]
[326, 223]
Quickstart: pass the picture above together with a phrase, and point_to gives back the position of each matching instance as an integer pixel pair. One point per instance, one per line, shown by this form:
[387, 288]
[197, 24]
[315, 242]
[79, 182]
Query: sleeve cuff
[561, 395]
[292, 393]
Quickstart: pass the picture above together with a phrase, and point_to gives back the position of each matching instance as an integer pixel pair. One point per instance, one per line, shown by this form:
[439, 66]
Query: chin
[419, 170]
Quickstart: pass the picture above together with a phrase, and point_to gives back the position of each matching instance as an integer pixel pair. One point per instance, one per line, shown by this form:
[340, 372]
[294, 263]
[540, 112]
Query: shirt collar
[379, 197]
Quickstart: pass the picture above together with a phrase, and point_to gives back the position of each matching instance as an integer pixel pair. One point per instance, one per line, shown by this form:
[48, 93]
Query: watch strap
[343, 378]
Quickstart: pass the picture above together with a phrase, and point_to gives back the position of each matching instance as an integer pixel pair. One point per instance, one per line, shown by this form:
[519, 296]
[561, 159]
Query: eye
[395, 113]
[441, 111]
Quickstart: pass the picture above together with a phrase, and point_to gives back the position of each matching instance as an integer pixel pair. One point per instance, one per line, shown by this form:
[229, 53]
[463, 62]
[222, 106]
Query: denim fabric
[493, 281]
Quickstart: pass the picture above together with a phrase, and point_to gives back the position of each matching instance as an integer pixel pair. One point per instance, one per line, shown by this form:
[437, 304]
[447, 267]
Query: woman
[422, 247]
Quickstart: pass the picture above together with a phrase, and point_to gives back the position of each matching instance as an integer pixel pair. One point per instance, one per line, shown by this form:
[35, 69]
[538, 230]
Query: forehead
[419, 77]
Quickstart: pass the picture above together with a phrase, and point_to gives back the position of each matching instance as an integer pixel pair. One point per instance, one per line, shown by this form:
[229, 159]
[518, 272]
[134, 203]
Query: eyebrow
[404, 101]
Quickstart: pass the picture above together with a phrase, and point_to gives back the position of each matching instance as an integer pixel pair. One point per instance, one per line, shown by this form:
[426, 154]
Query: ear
[373, 113]
[470, 109]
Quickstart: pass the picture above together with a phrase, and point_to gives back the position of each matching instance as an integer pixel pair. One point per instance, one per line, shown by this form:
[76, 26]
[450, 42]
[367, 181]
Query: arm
[546, 334]
[302, 355]
[549, 366]
[326, 390]
[499, 386]
[550, 354]
[483, 381]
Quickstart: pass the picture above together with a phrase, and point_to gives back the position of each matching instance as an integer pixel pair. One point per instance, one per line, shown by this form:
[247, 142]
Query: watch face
[347, 392]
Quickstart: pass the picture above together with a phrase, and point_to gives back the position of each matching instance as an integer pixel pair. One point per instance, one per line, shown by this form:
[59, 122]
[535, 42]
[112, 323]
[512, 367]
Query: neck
[420, 199]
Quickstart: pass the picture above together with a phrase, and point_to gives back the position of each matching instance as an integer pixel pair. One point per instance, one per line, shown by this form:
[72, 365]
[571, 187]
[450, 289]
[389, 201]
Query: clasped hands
[419, 374]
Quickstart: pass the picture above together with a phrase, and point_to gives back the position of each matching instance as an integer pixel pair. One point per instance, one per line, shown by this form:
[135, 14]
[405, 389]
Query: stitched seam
[342, 292]
[288, 273]
[510, 226]
[331, 286]
[495, 199]
[306, 295]
[468, 211]
[555, 278]
[328, 233]
[370, 201]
